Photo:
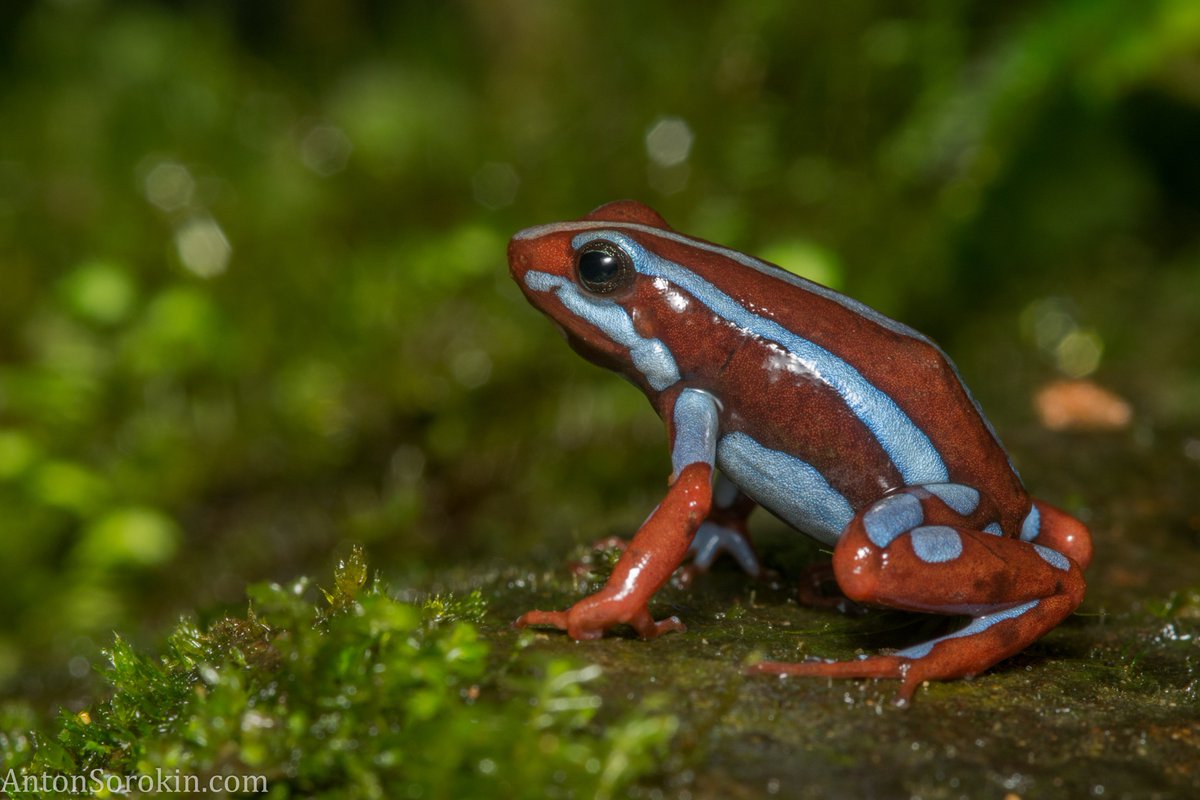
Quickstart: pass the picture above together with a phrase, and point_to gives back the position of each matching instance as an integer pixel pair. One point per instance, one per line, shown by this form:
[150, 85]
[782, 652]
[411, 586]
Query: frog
[850, 427]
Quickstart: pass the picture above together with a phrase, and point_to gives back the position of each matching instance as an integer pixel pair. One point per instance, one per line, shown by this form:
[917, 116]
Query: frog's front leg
[940, 549]
[725, 531]
[661, 544]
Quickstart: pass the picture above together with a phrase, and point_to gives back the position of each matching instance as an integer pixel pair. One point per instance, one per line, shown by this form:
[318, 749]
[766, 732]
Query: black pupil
[598, 269]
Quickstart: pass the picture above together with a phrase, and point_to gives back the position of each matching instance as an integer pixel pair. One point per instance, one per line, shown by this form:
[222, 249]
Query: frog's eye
[603, 268]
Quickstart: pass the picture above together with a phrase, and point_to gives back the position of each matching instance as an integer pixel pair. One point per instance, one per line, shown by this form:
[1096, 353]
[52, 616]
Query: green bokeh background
[254, 303]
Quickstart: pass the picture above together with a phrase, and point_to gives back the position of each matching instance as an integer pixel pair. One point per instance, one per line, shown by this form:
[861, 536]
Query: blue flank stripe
[914, 455]
[793, 490]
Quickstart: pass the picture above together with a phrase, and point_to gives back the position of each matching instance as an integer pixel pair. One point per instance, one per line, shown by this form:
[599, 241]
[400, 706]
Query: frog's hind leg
[937, 549]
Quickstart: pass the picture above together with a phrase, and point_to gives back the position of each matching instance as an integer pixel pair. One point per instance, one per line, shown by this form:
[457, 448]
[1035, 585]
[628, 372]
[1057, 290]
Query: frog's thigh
[906, 551]
[901, 552]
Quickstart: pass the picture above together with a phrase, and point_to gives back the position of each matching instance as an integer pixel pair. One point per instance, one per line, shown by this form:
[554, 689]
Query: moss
[358, 695]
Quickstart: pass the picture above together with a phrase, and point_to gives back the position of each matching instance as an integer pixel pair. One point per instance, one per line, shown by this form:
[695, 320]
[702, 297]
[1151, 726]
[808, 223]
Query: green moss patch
[353, 695]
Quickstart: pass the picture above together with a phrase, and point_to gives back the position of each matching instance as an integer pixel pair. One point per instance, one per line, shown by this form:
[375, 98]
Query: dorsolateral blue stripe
[743, 259]
[909, 448]
[650, 356]
[774, 272]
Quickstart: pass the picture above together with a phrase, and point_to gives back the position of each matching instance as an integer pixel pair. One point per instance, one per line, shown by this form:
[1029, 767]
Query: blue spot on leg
[891, 517]
[936, 544]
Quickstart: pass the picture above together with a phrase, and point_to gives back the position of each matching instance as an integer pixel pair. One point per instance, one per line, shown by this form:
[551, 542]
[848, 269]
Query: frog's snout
[518, 259]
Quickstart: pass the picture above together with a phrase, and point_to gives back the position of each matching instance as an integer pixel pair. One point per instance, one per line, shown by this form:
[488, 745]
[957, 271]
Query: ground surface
[1107, 705]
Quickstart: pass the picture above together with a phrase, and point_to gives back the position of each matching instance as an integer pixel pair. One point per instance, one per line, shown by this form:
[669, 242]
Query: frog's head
[584, 275]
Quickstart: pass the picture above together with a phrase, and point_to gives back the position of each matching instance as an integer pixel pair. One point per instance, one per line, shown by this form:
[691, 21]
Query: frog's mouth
[610, 356]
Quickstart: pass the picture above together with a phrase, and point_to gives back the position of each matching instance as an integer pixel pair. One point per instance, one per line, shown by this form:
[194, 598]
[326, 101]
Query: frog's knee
[1061, 531]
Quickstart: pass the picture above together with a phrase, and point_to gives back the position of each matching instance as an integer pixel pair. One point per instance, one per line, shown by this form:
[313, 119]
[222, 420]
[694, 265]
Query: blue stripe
[1053, 558]
[651, 357]
[792, 489]
[909, 448]
[776, 272]
[758, 265]
[695, 419]
[976, 626]
[963, 499]
[1032, 525]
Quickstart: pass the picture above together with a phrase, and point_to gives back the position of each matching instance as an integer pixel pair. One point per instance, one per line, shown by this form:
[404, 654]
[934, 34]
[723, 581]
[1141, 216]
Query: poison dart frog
[849, 426]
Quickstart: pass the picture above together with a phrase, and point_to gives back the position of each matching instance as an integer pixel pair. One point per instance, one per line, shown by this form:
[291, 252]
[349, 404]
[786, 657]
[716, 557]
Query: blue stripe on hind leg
[901, 553]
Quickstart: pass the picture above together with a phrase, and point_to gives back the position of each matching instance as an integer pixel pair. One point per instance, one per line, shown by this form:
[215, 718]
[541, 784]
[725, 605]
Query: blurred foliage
[362, 696]
[253, 298]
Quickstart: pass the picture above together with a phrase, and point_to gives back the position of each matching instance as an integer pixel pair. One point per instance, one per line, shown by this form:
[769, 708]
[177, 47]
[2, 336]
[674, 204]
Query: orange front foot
[592, 616]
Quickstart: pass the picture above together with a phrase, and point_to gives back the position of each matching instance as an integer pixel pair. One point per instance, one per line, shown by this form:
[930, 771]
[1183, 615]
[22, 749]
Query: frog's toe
[648, 628]
[872, 667]
[867, 667]
[555, 619]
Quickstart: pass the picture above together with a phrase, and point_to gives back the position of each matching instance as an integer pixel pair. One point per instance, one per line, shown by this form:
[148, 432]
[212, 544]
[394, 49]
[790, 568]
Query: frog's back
[819, 394]
[869, 403]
